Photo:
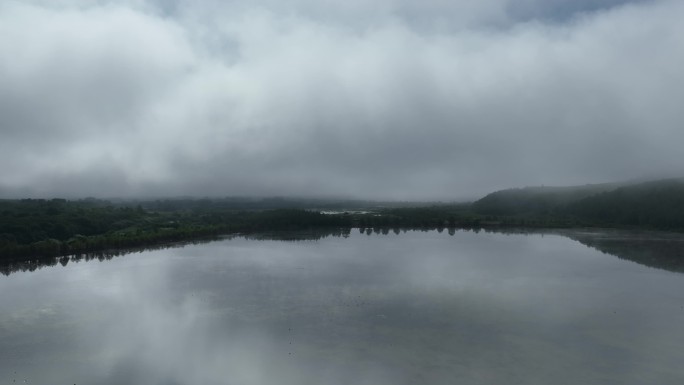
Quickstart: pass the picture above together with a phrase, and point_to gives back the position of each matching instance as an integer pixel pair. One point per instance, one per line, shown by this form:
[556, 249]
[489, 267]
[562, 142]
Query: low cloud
[308, 98]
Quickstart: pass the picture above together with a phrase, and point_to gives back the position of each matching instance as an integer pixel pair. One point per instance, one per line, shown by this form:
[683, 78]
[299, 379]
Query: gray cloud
[399, 100]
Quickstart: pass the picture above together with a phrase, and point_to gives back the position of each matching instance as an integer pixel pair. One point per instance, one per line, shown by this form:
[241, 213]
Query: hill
[37, 227]
[537, 200]
[655, 204]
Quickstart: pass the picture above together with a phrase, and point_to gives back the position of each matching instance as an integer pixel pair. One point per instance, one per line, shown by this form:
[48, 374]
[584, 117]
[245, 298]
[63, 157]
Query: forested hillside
[38, 227]
[537, 200]
[658, 205]
[654, 205]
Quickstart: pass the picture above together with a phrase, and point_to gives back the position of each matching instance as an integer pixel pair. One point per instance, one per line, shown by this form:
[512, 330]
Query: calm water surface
[412, 308]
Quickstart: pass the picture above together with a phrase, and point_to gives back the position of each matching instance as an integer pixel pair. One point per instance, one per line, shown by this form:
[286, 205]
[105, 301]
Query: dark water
[412, 308]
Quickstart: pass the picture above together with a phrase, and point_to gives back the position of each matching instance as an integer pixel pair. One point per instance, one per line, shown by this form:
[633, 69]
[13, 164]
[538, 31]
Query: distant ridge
[541, 199]
[655, 204]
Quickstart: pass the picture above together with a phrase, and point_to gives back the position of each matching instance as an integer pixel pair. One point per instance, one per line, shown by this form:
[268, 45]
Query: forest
[46, 228]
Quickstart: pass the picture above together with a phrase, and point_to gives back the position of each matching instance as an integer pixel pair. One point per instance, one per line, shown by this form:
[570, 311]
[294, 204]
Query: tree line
[57, 227]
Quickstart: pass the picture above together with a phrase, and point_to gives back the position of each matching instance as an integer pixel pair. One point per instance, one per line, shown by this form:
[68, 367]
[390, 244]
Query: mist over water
[414, 307]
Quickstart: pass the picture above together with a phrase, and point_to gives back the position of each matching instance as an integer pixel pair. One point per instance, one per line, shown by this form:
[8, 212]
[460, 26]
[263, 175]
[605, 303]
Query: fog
[391, 99]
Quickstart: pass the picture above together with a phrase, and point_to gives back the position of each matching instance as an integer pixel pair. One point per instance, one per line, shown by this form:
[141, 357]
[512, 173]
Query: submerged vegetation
[37, 228]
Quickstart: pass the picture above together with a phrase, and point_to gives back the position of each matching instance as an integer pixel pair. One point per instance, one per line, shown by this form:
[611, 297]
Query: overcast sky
[382, 99]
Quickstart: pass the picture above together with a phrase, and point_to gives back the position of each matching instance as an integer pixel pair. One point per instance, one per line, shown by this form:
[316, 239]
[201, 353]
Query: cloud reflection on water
[397, 309]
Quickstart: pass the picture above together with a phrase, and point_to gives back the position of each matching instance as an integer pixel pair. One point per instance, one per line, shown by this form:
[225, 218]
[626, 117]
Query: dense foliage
[36, 227]
[652, 205]
[48, 228]
[656, 205]
[536, 200]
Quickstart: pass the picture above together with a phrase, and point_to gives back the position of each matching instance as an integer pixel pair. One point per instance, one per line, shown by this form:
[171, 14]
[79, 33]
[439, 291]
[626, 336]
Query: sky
[385, 99]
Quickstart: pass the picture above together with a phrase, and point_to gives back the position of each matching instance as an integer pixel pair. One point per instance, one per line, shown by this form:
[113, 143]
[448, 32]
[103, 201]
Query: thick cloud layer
[392, 99]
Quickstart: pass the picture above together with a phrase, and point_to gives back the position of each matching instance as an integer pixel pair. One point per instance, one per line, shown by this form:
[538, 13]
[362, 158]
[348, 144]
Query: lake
[399, 308]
